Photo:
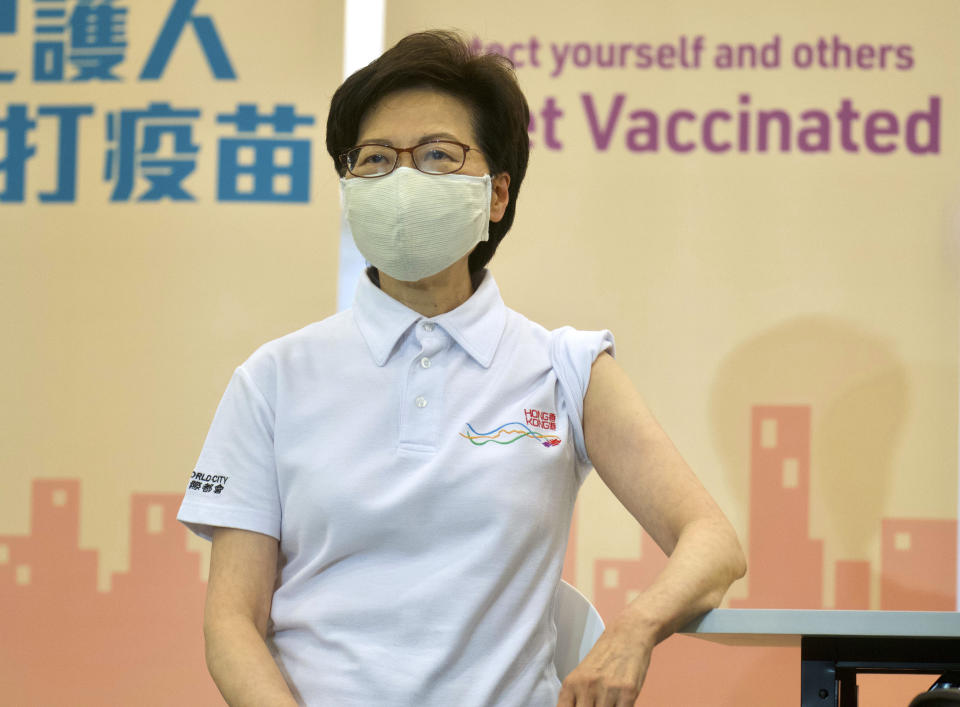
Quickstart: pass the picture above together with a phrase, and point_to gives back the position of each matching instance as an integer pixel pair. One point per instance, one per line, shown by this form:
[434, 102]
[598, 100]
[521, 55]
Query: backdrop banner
[166, 206]
[761, 201]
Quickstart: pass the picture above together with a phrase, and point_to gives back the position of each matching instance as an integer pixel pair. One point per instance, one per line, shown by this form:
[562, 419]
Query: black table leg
[847, 681]
[818, 683]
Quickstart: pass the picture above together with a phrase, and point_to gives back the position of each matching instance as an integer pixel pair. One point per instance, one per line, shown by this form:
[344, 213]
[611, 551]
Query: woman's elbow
[738, 562]
[733, 563]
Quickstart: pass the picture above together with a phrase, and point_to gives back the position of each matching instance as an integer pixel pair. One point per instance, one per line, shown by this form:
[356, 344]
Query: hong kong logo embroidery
[205, 483]
[536, 428]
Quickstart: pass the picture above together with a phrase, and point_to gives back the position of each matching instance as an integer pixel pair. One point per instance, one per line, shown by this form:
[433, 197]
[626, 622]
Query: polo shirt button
[421, 401]
[429, 326]
[425, 362]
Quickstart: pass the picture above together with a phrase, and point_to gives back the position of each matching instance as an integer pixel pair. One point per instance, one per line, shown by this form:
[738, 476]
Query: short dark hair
[444, 62]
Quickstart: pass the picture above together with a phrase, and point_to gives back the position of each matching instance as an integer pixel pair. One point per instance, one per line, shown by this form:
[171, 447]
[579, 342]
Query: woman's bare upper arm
[243, 572]
[636, 459]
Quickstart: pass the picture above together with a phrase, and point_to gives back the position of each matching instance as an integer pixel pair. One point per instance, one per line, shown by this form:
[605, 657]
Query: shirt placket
[423, 400]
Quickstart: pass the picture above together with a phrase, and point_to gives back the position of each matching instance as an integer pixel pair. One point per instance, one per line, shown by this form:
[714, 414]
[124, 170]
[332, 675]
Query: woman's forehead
[417, 114]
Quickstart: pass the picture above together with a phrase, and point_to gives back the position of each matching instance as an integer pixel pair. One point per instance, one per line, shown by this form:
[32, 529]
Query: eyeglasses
[434, 157]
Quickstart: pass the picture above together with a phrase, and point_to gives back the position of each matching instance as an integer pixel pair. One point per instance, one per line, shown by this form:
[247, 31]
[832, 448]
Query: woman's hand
[612, 672]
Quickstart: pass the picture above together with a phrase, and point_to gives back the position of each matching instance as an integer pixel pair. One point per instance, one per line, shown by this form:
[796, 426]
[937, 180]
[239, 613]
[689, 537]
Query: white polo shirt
[420, 476]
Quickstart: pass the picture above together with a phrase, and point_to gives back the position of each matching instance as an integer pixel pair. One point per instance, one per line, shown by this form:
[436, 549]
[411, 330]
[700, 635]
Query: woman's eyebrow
[429, 137]
[439, 136]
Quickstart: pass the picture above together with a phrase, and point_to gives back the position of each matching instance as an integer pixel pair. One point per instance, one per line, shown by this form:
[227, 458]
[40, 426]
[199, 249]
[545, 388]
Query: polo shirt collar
[476, 325]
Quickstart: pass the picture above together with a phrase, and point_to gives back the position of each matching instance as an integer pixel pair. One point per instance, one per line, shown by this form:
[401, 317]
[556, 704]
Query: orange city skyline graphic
[917, 560]
[65, 642]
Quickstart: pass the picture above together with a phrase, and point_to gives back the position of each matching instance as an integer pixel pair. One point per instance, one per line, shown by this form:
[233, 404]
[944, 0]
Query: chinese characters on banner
[149, 150]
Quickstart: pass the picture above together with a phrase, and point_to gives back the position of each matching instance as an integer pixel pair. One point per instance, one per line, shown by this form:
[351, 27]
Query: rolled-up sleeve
[572, 353]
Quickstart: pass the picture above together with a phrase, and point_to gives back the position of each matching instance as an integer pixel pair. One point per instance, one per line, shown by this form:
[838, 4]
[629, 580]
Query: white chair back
[578, 627]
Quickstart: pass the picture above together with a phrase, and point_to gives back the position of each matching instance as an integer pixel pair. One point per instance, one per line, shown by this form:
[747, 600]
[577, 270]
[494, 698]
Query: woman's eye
[373, 158]
[438, 154]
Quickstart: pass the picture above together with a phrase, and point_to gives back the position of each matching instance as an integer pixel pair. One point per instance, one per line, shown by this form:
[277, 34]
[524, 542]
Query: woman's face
[412, 116]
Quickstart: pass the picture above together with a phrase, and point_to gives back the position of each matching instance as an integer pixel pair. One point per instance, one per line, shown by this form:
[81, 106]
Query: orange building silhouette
[919, 564]
[852, 585]
[65, 643]
[786, 566]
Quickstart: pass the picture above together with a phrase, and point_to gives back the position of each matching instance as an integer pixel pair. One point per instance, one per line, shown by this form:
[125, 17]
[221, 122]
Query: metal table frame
[835, 646]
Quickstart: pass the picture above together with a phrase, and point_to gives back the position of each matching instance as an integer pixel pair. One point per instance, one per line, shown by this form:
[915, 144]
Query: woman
[395, 483]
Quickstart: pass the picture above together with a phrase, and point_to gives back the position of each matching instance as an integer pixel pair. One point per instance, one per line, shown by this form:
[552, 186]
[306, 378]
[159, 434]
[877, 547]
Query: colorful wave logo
[508, 434]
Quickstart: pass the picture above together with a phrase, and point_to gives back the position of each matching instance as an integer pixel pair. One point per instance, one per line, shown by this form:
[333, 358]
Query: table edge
[825, 622]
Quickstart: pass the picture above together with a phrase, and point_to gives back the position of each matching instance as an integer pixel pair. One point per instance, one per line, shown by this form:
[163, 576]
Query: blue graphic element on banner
[136, 151]
[69, 124]
[48, 53]
[206, 31]
[8, 25]
[8, 16]
[48, 61]
[14, 164]
[252, 168]
[17, 125]
[97, 43]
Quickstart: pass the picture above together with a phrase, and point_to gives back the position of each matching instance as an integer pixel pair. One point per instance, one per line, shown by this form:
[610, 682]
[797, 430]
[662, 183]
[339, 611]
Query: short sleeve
[572, 354]
[234, 484]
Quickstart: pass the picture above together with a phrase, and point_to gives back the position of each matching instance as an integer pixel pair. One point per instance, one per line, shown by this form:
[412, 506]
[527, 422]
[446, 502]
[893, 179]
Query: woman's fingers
[610, 675]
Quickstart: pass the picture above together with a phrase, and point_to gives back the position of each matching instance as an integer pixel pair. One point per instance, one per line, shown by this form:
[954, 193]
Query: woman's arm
[243, 570]
[639, 463]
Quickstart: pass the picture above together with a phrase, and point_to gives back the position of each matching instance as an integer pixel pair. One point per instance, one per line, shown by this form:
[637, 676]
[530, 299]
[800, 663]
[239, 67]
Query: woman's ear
[500, 196]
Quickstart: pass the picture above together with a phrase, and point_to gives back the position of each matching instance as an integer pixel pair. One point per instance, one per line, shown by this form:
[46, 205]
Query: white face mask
[411, 225]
